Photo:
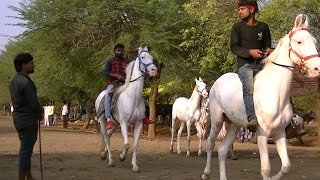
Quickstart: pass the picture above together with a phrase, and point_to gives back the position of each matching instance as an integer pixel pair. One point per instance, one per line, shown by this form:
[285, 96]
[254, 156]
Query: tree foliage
[207, 40]
[281, 14]
[71, 40]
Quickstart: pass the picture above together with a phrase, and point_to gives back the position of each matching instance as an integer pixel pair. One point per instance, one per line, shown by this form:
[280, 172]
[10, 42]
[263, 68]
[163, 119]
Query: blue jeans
[245, 74]
[28, 137]
[107, 102]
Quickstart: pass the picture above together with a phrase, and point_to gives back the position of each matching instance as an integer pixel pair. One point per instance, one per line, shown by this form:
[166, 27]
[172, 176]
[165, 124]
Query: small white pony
[129, 108]
[271, 99]
[188, 111]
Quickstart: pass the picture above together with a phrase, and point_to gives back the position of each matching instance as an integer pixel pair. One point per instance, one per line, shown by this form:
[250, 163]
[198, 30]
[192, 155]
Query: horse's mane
[129, 70]
[272, 57]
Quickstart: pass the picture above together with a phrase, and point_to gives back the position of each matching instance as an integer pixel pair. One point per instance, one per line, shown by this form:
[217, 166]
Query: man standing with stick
[27, 111]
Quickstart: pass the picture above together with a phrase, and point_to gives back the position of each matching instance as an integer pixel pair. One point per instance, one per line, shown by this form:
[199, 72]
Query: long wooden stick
[40, 152]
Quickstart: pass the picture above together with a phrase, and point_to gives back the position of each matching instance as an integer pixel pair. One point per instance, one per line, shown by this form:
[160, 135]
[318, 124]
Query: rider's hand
[267, 52]
[120, 78]
[256, 53]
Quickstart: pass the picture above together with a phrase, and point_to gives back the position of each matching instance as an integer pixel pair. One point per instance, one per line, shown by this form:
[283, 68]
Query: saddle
[114, 97]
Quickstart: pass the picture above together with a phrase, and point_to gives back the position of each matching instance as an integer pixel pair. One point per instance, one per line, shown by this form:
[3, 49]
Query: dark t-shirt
[244, 37]
[27, 109]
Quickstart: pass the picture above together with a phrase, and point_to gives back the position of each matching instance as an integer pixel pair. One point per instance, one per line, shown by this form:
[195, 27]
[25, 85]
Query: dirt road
[73, 154]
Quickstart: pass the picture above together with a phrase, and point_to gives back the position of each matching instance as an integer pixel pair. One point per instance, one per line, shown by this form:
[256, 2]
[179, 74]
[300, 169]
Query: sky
[7, 31]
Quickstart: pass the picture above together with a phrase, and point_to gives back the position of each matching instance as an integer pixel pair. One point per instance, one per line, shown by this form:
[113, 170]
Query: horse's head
[146, 62]
[201, 87]
[302, 47]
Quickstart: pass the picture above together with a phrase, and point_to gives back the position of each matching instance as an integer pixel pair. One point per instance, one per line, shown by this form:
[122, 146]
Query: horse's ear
[200, 79]
[302, 21]
[140, 49]
[306, 25]
[196, 80]
[146, 48]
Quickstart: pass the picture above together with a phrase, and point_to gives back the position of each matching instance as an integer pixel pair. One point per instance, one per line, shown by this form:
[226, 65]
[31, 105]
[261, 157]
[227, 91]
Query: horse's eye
[142, 57]
[299, 42]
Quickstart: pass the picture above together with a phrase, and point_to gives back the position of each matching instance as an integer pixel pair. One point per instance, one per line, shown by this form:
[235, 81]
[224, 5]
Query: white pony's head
[201, 87]
[302, 47]
[146, 62]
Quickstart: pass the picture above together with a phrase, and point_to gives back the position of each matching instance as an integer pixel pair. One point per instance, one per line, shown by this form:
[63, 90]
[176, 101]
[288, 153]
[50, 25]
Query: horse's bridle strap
[200, 92]
[297, 54]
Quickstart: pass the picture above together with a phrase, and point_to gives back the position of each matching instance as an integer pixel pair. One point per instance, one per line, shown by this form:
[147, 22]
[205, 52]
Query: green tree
[71, 40]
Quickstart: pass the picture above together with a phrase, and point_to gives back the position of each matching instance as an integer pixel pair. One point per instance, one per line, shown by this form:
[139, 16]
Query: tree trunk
[153, 103]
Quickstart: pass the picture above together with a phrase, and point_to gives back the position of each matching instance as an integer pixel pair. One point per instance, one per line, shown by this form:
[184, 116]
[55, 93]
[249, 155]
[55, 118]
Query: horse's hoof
[171, 149]
[122, 157]
[103, 156]
[234, 157]
[112, 164]
[188, 154]
[199, 153]
[178, 152]
[136, 169]
[204, 177]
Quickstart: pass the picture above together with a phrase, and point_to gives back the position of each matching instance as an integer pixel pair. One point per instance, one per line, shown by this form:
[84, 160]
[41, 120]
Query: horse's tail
[173, 117]
[99, 104]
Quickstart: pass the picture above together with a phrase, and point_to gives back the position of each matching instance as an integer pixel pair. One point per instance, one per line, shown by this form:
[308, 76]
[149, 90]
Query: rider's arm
[107, 72]
[267, 41]
[235, 40]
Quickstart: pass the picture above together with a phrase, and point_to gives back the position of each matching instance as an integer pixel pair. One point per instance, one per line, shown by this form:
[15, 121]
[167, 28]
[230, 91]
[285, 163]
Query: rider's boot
[147, 121]
[109, 124]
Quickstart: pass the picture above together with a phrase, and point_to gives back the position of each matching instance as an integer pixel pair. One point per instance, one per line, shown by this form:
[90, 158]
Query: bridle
[140, 61]
[299, 67]
[200, 92]
[144, 73]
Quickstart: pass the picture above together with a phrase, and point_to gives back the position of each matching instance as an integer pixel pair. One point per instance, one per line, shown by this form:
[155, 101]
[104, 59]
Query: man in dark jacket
[27, 111]
[250, 41]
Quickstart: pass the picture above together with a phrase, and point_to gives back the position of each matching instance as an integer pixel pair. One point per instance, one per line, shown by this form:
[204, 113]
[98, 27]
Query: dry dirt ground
[73, 154]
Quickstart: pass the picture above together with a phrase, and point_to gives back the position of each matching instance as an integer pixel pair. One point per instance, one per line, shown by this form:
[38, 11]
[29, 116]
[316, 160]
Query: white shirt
[64, 110]
[50, 110]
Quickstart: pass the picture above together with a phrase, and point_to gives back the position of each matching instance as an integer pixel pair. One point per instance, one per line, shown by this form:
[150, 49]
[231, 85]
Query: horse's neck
[195, 98]
[280, 76]
[136, 87]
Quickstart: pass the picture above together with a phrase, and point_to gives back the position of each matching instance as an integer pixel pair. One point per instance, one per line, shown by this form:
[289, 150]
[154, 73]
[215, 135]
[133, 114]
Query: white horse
[271, 99]
[188, 112]
[129, 108]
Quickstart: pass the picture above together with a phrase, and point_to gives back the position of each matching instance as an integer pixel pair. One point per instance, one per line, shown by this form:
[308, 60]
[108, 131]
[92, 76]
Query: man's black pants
[28, 137]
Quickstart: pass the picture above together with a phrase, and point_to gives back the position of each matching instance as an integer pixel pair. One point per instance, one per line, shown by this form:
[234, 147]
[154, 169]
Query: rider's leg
[246, 77]
[107, 107]
[147, 120]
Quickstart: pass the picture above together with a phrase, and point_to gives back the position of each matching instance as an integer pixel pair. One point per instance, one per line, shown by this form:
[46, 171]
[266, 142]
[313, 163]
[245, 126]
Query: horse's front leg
[124, 131]
[136, 134]
[280, 140]
[199, 134]
[264, 154]
[188, 137]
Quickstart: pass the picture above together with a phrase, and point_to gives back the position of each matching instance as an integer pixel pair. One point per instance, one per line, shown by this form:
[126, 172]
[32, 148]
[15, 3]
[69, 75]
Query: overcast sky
[6, 31]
